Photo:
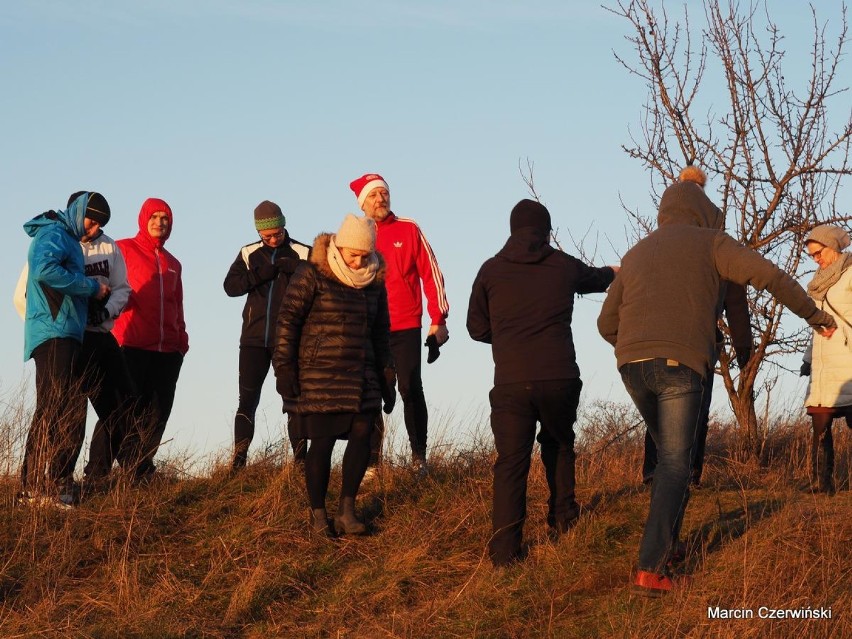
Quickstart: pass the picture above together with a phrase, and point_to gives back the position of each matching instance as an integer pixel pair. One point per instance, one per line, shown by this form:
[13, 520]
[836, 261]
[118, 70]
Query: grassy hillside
[221, 556]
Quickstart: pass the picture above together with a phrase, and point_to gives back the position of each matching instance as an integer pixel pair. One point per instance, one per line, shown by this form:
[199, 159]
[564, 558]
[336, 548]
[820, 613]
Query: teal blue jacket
[58, 290]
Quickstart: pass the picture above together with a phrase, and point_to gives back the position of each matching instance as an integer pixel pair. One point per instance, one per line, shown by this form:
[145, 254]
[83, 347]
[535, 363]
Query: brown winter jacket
[665, 300]
[332, 353]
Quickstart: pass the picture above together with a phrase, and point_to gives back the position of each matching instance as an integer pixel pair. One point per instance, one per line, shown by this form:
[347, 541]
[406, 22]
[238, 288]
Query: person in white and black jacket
[522, 303]
[261, 272]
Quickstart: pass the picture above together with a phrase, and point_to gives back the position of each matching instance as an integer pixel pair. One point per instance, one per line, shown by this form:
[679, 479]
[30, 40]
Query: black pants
[155, 377]
[515, 409]
[355, 458]
[406, 349]
[254, 366]
[650, 461]
[107, 384]
[58, 426]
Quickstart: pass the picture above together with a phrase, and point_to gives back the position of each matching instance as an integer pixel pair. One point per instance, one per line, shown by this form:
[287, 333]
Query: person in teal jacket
[56, 312]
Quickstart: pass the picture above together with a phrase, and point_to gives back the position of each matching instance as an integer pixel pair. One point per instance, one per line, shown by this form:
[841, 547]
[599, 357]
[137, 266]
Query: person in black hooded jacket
[261, 272]
[522, 303]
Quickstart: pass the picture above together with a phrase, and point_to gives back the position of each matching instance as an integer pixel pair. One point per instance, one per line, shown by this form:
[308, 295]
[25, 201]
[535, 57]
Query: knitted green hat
[268, 215]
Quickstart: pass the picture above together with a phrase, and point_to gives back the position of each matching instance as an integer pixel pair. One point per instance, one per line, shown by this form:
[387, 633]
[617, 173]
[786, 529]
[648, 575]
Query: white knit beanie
[356, 233]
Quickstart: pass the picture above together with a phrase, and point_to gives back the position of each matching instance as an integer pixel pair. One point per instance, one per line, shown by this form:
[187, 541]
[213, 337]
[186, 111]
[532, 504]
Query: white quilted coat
[831, 359]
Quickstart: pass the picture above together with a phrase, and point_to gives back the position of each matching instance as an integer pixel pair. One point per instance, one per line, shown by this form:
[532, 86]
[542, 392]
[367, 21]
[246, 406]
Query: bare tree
[719, 98]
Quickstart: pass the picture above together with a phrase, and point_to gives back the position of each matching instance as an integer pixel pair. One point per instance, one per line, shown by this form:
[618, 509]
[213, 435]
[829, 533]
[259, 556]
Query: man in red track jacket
[410, 260]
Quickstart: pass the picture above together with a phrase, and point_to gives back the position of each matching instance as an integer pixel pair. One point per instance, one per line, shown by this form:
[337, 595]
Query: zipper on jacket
[269, 302]
[162, 299]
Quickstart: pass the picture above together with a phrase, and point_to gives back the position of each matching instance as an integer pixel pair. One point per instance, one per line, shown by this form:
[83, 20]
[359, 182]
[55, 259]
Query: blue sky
[215, 106]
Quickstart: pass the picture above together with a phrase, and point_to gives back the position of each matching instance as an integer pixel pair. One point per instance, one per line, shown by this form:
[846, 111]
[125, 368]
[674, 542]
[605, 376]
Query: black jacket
[262, 272]
[332, 353]
[522, 303]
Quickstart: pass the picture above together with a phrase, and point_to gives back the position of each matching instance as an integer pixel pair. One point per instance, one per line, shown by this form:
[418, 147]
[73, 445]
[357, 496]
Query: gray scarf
[827, 277]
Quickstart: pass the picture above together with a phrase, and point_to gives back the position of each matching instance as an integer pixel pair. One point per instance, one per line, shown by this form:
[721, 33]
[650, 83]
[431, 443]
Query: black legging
[355, 458]
[822, 448]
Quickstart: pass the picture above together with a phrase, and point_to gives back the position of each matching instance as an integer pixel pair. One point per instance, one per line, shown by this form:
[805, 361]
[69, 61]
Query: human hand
[286, 265]
[615, 268]
[440, 332]
[103, 291]
[743, 359]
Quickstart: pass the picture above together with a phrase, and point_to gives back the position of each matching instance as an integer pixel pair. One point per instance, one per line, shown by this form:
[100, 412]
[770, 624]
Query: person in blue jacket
[57, 298]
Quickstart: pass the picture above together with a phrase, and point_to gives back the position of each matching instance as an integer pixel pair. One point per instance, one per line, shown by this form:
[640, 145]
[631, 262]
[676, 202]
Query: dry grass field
[214, 555]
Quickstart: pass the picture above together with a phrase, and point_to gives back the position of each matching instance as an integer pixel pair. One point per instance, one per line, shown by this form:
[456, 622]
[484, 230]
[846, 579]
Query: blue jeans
[668, 395]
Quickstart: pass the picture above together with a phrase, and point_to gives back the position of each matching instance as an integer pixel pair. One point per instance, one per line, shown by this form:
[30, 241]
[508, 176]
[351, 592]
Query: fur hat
[362, 186]
[530, 213]
[833, 237]
[268, 215]
[356, 233]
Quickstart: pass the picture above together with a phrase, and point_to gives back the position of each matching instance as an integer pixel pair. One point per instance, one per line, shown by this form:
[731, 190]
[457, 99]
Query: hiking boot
[69, 492]
[346, 522]
[649, 584]
[320, 524]
[420, 467]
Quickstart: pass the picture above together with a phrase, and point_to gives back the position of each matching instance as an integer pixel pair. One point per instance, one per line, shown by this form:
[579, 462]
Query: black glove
[286, 265]
[288, 388]
[743, 359]
[434, 349]
[97, 312]
[805, 370]
[388, 380]
[267, 271]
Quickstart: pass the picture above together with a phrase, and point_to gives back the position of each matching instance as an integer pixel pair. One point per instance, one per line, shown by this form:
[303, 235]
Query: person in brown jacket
[660, 315]
[735, 307]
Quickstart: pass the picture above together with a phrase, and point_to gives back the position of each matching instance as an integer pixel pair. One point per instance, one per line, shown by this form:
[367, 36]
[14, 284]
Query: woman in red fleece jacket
[151, 332]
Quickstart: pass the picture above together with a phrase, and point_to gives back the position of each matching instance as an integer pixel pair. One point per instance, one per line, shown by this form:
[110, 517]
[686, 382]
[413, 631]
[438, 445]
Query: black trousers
[155, 377]
[515, 409]
[406, 350]
[107, 384]
[58, 427]
[355, 458]
[254, 365]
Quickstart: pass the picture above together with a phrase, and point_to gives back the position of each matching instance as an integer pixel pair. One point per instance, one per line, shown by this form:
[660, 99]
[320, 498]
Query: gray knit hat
[833, 237]
[356, 233]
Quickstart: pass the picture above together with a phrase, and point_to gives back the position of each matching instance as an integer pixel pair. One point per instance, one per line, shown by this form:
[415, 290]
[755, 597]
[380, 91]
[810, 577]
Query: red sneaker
[649, 584]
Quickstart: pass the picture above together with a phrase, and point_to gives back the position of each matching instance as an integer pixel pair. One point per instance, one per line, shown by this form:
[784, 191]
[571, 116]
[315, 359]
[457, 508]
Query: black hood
[527, 245]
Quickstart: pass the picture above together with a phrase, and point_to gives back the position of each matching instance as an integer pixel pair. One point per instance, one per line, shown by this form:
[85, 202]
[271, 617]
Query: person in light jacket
[829, 361]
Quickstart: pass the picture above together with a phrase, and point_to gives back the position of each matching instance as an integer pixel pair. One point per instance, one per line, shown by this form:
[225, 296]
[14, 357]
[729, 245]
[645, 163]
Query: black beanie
[97, 208]
[530, 213]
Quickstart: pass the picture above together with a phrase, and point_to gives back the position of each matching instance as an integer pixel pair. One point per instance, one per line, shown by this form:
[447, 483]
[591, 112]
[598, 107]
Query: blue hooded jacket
[58, 290]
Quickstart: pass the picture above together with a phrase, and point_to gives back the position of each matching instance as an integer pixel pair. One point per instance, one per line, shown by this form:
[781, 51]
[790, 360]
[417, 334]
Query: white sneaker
[36, 500]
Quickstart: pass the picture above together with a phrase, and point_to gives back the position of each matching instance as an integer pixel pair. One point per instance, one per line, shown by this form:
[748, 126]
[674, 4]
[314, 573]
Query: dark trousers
[406, 350]
[58, 427]
[107, 384]
[650, 462]
[515, 409]
[155, 377]
[355, 458]
[254, 365]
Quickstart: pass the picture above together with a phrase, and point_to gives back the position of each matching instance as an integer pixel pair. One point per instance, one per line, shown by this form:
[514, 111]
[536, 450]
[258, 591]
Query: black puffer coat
[332, 353]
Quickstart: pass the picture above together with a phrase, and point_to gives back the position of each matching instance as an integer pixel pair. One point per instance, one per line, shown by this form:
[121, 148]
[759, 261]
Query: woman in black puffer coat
[332, 360]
